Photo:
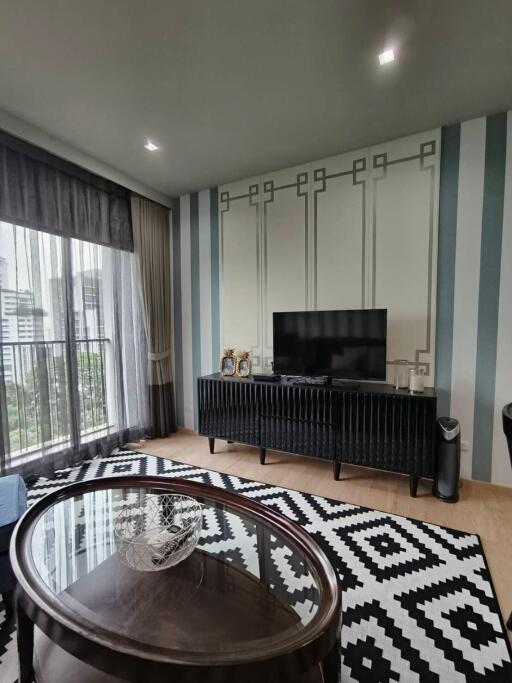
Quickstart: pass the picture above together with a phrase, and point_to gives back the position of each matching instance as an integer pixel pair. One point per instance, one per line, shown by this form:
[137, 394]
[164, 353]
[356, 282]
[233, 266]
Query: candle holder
[401, 374]
[416, 380]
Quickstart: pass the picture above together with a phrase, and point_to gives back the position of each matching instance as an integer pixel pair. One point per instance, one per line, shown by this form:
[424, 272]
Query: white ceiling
[233, 88]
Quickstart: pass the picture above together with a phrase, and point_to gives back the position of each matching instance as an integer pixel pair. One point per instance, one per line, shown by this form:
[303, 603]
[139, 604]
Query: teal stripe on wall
[447, 242]
[488, 302]
[196, 301]
[176, 271]
[214, 236]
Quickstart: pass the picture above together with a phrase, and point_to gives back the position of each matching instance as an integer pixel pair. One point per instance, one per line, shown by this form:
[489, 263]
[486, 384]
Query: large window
[71, 345]
[89, 264]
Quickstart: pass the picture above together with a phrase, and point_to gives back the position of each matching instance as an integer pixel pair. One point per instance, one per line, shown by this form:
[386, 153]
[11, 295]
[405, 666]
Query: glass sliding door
[72, 347]
[33, 355]
[91, 273]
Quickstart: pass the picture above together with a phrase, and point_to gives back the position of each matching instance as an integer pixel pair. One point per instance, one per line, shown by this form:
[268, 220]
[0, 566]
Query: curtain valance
[41, 191]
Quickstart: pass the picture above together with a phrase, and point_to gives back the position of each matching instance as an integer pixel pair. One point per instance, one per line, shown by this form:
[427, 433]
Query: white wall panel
[240, 247]
[285, 225]
[339, 191]
[403, 227]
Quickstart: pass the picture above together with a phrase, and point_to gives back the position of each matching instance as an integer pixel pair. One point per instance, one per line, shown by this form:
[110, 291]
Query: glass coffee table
[257, 600]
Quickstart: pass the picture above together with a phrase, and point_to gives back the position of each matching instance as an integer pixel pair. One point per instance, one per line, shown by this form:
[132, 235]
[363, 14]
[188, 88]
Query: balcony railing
[48, 386]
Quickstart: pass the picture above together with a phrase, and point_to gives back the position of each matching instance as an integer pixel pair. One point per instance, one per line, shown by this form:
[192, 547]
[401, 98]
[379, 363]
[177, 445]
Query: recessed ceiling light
[151, 146]
[386, 57]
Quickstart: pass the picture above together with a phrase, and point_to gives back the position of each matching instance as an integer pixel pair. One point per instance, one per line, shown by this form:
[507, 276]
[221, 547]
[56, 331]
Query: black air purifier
[446, 480]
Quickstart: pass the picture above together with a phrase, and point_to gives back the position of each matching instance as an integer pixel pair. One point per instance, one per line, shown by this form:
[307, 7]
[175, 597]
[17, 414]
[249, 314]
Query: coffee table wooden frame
[113, 653]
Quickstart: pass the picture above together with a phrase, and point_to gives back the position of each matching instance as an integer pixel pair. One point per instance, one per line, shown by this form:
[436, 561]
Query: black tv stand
[374, 425]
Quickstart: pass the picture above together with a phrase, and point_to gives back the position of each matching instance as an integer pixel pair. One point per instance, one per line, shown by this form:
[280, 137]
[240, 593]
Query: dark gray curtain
[42, 192]
[152, 240]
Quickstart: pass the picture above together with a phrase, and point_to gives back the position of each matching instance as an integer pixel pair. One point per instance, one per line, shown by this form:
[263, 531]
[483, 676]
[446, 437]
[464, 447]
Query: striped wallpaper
[474, 314]
[196, 292]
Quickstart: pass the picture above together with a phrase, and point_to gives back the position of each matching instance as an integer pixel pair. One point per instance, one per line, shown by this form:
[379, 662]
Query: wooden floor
[484, 509]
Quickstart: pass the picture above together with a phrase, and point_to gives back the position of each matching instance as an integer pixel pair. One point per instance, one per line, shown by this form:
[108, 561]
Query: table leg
[413, 484]
[331, 666]
[25, 636]
[211, 443]
[262, 545]
[263, 453]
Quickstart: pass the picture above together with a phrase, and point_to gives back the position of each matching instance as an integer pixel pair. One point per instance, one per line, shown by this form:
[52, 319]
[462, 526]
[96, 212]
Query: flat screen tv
[344, 344]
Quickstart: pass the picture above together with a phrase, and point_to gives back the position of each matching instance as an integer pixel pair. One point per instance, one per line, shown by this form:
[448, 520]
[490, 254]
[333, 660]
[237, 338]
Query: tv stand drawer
[386, 431]
[229, 410]
[297, 436]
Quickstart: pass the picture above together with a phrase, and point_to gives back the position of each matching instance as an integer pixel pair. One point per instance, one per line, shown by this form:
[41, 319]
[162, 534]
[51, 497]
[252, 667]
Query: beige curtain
[151, 238]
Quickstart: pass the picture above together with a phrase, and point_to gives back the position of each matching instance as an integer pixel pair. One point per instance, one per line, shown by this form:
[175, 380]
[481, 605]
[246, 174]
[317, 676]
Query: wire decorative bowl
[158, 531]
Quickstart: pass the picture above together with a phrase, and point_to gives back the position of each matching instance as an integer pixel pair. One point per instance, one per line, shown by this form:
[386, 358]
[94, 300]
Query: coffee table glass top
[245, 582]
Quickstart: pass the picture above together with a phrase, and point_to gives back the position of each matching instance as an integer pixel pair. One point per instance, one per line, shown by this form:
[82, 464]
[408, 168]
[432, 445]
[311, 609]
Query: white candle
[417, 382]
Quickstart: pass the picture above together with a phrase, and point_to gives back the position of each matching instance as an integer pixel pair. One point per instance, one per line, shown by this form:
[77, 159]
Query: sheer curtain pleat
[72, 351]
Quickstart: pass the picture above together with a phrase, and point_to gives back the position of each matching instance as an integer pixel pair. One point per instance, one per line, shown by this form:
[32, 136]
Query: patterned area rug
[418, 600]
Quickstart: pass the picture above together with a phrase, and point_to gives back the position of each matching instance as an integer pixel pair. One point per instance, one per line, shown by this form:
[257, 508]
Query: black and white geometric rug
[418, 600]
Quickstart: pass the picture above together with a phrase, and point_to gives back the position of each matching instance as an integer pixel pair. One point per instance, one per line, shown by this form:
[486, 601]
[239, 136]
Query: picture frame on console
[228, 363]
[243, 364]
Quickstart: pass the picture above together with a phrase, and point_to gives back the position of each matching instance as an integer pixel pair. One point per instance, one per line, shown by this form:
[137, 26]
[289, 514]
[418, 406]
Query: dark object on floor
[507, 428]
[447, 472]
[13, 503]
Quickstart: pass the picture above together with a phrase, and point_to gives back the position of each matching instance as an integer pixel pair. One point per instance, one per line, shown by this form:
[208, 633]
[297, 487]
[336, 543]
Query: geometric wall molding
[357, 230]
[403, 218]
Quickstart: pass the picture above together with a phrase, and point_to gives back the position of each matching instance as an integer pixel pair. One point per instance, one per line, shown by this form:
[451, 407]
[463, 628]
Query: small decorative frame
[228, 363]
[243, 364]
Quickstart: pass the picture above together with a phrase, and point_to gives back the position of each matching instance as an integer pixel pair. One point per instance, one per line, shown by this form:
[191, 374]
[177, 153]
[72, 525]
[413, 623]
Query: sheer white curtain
[72, 350]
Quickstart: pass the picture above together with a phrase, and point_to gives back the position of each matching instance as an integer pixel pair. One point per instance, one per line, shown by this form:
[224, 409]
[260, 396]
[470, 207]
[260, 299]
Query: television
[345, 344]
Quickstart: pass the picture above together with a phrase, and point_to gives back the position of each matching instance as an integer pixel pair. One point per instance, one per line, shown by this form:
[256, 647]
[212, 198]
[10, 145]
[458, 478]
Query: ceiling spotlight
[386, 57]
[151, 146]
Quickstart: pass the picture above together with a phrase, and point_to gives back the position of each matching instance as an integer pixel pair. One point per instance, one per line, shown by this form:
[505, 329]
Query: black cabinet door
[388, 432]
[229, 410]
[297, 420]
